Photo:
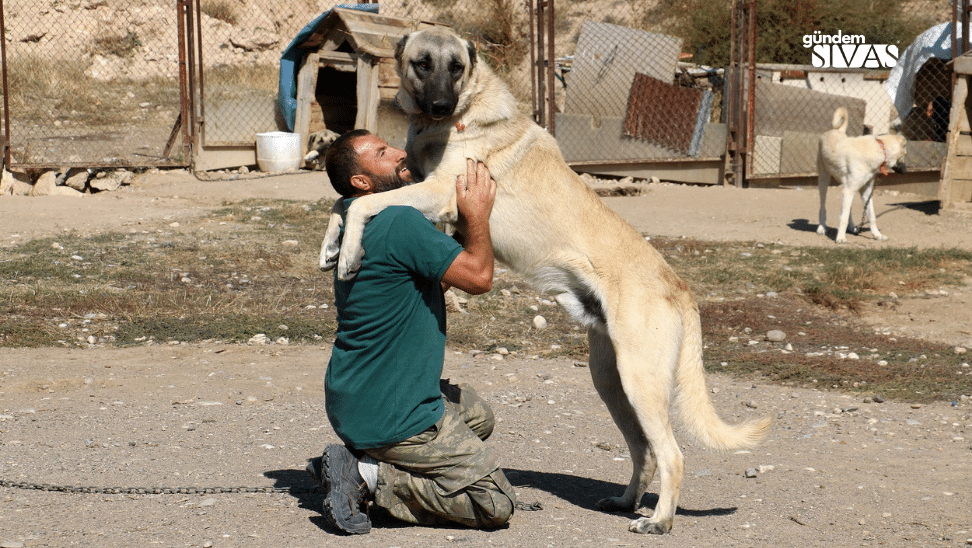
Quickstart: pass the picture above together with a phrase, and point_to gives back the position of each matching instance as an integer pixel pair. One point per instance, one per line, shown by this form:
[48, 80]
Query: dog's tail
[695, 408]
[840, 119]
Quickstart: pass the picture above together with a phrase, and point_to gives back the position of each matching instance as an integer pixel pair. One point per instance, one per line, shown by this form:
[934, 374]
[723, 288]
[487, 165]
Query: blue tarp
[934, 42]
[293, 57]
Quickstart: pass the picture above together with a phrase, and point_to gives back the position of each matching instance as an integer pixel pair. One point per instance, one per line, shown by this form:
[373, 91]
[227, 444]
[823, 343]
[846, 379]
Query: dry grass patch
[250, 268]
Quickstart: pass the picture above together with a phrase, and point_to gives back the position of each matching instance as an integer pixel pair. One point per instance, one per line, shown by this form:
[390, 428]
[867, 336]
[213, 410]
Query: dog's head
[435, 66]
[895, 146]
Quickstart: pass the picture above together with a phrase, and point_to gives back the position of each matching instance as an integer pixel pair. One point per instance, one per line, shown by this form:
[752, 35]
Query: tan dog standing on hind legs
[854, 162]
[549, 227]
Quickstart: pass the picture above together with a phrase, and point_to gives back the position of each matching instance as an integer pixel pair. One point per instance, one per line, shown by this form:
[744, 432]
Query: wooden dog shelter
[955, 191]
[348, 78]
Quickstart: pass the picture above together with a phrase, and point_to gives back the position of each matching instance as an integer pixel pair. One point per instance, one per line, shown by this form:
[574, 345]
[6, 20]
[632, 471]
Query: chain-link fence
[91, 82]
[890, 79]
[97, 82]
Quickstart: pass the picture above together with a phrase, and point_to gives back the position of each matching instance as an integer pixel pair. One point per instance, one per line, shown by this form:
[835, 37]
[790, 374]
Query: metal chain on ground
[82, 490]
[73, 489]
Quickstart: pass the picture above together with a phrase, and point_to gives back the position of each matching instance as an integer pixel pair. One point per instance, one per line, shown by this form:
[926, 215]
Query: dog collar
[884, 164]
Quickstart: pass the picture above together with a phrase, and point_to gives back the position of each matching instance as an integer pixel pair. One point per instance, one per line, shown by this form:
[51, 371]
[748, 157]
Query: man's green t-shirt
[382, 383]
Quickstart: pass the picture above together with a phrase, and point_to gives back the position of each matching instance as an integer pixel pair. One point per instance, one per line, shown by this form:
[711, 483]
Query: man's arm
[472, 269]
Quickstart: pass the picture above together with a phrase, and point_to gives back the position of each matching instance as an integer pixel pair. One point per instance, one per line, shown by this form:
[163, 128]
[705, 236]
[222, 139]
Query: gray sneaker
[345, 491]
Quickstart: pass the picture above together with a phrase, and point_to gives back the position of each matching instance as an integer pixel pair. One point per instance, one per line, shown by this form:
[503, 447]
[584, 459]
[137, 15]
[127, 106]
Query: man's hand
[472, 270]
[475, 193]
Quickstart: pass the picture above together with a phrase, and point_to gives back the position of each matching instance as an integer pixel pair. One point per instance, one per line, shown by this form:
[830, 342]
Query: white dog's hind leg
[867, 194]
[823, 179]
[331, 246]
[607, 382]
[845, 210]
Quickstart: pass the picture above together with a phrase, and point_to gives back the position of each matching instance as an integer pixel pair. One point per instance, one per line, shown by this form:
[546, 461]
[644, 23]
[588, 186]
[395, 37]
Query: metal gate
[776, 112]
[92, 84]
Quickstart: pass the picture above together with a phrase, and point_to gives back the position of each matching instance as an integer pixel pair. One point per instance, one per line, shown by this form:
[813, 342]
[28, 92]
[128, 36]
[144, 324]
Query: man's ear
[362, 183]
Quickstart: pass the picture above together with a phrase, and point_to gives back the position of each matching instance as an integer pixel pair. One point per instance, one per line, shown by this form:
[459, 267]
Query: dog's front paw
[330, 251]
[880, 237]
[646, 526]
[821, 229]
[348, 267]
[841, 240]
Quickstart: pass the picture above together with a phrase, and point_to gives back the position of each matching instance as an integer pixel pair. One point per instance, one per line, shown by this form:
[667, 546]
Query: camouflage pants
[447, 474]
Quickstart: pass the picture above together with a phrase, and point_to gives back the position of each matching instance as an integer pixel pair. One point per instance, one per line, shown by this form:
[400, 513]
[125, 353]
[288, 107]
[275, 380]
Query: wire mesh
[96, 82]
[91, 82]
[908, 93]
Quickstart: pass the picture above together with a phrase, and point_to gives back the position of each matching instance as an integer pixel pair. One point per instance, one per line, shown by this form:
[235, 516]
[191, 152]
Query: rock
[454, 303]
[751, 473]
[45, 185]
[77, 179]
[752, 404]
[503, 351]
[655, 180]
[103, 69]
[104, 181]
[776, 336]
[66, 191]
[6, 183]
[539, 322]
[290, 243]
[878, 398]
[257, 41]
[960, 350]
[259, 339]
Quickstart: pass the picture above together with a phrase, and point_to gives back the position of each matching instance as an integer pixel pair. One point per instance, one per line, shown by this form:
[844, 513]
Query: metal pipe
[185, 101]
[533, 60]
[550, 65]
[541, 83]
[202, 81]
[751, 98]
[6, 89]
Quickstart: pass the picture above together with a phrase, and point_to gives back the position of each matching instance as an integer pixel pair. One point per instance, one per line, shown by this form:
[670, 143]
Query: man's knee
[483, 427]
[503, 511]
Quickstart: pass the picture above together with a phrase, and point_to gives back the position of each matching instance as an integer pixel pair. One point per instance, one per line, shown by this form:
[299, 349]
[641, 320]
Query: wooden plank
[368, 97]
[388, 74]
[949, 171]
[963, 144]
[339, 60]
[306, 83]
[963, 64]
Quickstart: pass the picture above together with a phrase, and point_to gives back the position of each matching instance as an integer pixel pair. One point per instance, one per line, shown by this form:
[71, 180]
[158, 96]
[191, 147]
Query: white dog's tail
[840, 119]
[692, 400]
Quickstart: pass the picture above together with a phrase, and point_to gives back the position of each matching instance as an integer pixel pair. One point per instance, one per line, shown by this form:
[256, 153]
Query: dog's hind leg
[607, 382]
[645, 373]
[846, 224]
[823, 180]
[867, 195]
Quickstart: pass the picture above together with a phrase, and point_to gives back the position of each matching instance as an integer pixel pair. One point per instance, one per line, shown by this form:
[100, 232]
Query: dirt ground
[837, 471]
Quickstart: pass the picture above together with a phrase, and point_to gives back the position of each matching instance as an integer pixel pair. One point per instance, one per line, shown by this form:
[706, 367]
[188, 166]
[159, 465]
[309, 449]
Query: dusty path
[837, 471]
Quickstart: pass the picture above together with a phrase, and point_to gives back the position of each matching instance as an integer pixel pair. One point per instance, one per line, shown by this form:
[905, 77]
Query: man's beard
[384, 183]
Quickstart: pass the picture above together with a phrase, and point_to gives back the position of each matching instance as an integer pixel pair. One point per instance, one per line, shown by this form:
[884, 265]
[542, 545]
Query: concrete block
[605, 62]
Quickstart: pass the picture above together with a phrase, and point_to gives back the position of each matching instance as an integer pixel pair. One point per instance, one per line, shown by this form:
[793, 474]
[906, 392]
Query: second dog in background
[854, 162]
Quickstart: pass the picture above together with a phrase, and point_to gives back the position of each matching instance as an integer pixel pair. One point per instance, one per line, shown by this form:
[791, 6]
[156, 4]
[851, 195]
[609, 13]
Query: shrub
[220, 9]
[781, 25]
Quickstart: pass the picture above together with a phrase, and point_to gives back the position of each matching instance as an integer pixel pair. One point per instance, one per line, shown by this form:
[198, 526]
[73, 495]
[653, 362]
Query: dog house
[955, 191]
[348, 78]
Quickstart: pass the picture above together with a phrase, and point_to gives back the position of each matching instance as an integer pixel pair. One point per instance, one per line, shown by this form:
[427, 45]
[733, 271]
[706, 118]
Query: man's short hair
[341, 161]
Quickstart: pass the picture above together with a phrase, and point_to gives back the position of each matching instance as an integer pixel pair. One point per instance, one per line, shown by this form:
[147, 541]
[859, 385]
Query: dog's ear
[471, 50]
[400, 49]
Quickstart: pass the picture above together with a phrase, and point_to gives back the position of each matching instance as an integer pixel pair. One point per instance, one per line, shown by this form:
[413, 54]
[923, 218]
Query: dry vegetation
[237, 273]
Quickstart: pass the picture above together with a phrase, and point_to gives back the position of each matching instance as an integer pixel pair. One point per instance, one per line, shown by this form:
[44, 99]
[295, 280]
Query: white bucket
[278, 151]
